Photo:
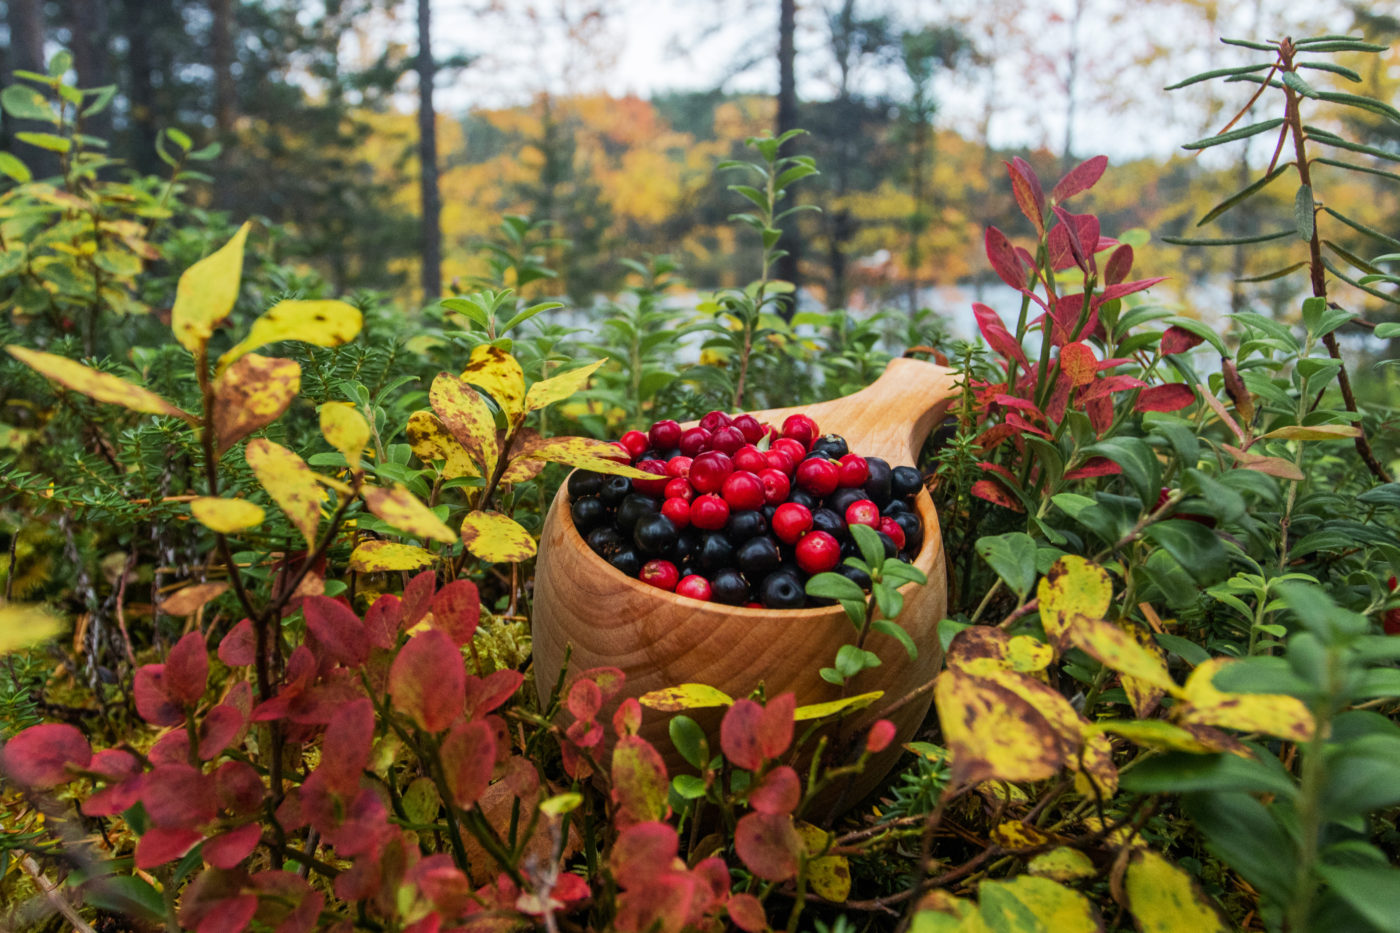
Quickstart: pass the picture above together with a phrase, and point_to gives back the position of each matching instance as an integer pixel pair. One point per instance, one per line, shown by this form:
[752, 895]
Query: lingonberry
[780, 461]
[801, 428]
[694, 441]
[665, 434]
[679, 489]
[752, 430]
[890, 527]
[727, 439]
[794, 449]
[750, 458]
[854, 470]
[679, 466]
[791, 521]
[715, 420]
[905, 482]
[694, 586]
[677, 510]
[709, 512]
[818, 552]
[661, 574]
[652, 487]
[818, 476]
[863, 512]
[782, 589]
[743, 490]
[776, 485]
[709, 471]
[635, 443]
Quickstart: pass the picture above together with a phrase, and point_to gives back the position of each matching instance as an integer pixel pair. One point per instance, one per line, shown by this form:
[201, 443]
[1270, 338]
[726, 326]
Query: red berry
[818, 552]
[709, 512]
[679, 488]
[652, 487]
[801, 428]
[709, 471]
[891, 528]
[791, 521]
[818, 476]
[727, 439]
[694, 441]
[795, 450]
[752, 605]
[715, 420]
[750, 458]
[753, 431]
[677, 510]
[743, 490]
[664, 434]
[679, 466]
[854, 470]
[780, 461]
[863, 512]
[694, 586]
[775, 486]
[661, 574]
[635, 443]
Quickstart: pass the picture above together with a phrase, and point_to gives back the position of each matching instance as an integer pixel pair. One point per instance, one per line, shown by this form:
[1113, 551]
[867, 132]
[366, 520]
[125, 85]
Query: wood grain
[659, 639]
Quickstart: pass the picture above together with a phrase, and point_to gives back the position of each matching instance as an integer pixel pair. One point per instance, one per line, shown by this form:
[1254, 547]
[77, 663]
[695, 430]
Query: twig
[50, 893]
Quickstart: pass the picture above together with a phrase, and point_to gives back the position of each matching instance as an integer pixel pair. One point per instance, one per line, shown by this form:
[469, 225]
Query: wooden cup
[659, 639]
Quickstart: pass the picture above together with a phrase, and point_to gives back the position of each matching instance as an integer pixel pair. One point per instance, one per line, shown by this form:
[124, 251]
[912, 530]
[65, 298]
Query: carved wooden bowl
[659, 639]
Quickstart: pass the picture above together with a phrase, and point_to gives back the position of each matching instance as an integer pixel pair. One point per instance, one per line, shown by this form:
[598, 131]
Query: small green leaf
[24, 103]
[1244, 193]
[1303, 212]
[834, 586]
[689, 740]
[1244, 132]
[1012, 556]
[1293, 81]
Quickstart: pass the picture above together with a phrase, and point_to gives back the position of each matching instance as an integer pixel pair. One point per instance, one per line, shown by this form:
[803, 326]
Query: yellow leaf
[831, 707]
[977, 647]
[346, 430]
[206, 293]
[1062, 864]
[560, 804]
[1095, 766]
[1048, 702]
[290, 482]
[431, 442]
[829, 876]
[190, 599]
[585, 453]
[226, 515]
[320, 322]
[1315, 432]
[1155, 733]
[381, 556]
[1027, 654]
[498, 374]
[1016, 836]
[1273, 714]
[993, 733]
[466, 416]
[25, 626]
[548, 391]
[1073, 586]
[102, 387]
[686, 696]
[1143, 696]
[1116, 649]
[250, 395]
[1165, 899]
[496, 538]
[400, 507]
[1028, 904]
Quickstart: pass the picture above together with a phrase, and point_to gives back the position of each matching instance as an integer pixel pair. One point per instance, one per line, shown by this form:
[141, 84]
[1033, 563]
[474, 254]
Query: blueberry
[803, 497]
[628, 561]
[913, 531]
[605, 541]
[831, 522]
[655, 535]
[831, 446]
[877, 487]
[758, 557]
[744, 525]
[782, 590]
[584, 483]
[890, 549]
[905, 482]
[841, 499]
[588, 514]
[729, 587]
[896, 507]
[633, 508]
[715, 554]
[615, 488]
[686, 546]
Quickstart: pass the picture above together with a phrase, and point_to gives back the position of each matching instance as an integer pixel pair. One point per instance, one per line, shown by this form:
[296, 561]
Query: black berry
[877, 487]
[729, 587]
[782, 590]
[758, 557]
[654, 535]
[744, 525]
[615, 488]
[905, 482]
[588, 514]
[584, 483]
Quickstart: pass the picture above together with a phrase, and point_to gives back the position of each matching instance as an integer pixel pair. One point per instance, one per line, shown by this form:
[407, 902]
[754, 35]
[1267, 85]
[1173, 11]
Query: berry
[744, 525]
[780, 461]
[782, 590]
[686, 547]
[794, 449]
[709, 471]
[694, 586]
[877, 487]
[905, 482]
[776, 485]
[715, 420]
[840, 500]
[913, 530]
[752, 430]
[635, 443]
[627, 560]
[758, 557]
[863, 512]
[855, 574]
[714, 554]
[854, 470]
[664, 434]
[584, 483]
[587, 514]
[709, 512]
[679, 489]
[818, 552]
[661, 574]
[750, 458]
[831, 446]
[801, 428]
[677, 510]
[605, 541]
[654, 536]
[803, 497]
[652, 487]
[727, 439]
[729, 587]
[633, 509]
[895, 507]
[679, 466]
[615, 489]
[818, 476]
[694, 441]
[890, 527]
[791, 521]
[743, 490]
[830, 521]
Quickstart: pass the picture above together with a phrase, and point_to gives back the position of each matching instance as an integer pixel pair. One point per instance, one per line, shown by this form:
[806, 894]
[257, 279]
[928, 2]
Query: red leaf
[239, 647]
[1119, 264]
[880, 737]
[457, 610]
[768, 845]
[1095, 466]
[187, 670]
[1030, 197]
[584, 700]
[1178, 340]
[345, 749]
[1072, 239]
[417, 596]
[1023, 426]
[569, 888]
[992, 491]
[221, 728]
[775, 732]
[1110, 384]
[487, 693]
[153, 701]
[746, 912]
[238, 788]
[628, 718]
[639, 781]
[1077, 361]
[158, 846]
[608, 679]
[779, 792]
[177, 795]
[468, 758]
[738, 735]
[997, 336]
[226, 850]
[1002, 255]
[40, 755]
[1173, 396]
[1080, 178]
[427, 681]
[115, 764]
[1128, 288]
[1015, 401]
[999, 470]
[642, 851]
[383, 621]
[337, 629]
[173, 748]
[113, 799]
[1100, 411]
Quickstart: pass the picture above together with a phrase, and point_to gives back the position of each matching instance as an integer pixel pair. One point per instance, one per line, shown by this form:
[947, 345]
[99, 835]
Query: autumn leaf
[639, 784]
[556, 388]
[994, 734]
[385, 556]
[496, 538]
[320, 322]
[497, 373]
[250, 395]
[398, 506]
[431, 441]
[290, 482]
[686, 696]
[829, 876]
[428, 682]
[206, 293]
[345, 429]
[190, 599]
[1073, 586]
[466, 416]
[101, 387]
[584, 453]
[1116, 649]
[226, 516]
[1164, 898]
[832, 707]
[23, 626]
[1273, 714]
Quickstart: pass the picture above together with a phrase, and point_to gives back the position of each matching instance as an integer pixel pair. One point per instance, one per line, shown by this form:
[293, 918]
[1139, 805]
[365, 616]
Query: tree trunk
[427, 156]
[221, 53]
[26, 22]
[787, 265]
[142, 89]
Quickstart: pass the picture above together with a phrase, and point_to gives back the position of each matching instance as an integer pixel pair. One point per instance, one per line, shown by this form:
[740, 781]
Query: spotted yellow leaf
[384, 556]
[466, 416]
[1116, 649]
[1027, 904]
[25, 626]
[398, 506]
[1156, 733]
[102, 387]
[346, 429]
[1096, 774]
[250, 395]
[497, 373]
[290, 482]
[1027, 654]
[686, 696]
[828, 876]
[586, 453]
[1017, 836]
[319, 322]
[431, 442]
[1062, 864]
[1144, 695]
[992, 733]
[1163, 898]
[556, 388]
[496, 538]
[226, 515]
[832, 707]
[1073, 586]
[206, 293]
[1273, 714]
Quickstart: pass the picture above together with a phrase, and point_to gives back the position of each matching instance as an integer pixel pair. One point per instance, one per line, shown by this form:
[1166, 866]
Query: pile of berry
[743, 514]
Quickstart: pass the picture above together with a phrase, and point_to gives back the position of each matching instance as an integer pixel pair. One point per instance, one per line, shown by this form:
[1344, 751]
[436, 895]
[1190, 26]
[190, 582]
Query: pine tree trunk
[786, 267]
[142, 89]
[26, 23]
[431, 197]
[221, 53]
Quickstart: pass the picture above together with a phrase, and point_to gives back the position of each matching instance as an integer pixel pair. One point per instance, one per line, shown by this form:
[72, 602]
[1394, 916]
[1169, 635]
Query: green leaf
[1362, 228]
[834, 586]
[688, 786]
[1243, 194]
[1140, 464]
[1242, 832]
[1184, 648]
[10, 165]
[689, 740]
[1275, 274]
[1193, 546]
[1303, 212]
[1334, 69]
[1217, 73]
[24, 103]
[1203, 330]
[1361, 103]
[1372, 890]
[49, 141]
[1227, 241]
[1243, 132]
[1345, 45]
[1294, 82]
[1012, 556]
[851, 660]
[1330, 139]
[897, 632]
[1183, 772]
[868, 540]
